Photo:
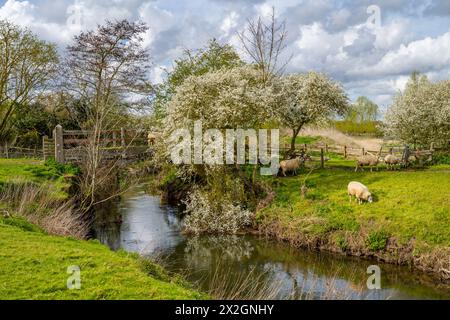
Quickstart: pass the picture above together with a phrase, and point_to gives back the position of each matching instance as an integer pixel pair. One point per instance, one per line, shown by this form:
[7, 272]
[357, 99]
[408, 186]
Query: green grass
[408, 205]
[34, 266]
[50, 173]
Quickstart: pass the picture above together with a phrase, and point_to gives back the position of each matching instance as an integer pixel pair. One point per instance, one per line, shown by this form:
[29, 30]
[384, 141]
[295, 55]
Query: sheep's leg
[284, 173]
[350, 198]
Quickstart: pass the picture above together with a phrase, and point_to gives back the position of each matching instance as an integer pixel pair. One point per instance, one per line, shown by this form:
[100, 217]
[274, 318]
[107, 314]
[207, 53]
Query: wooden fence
[9, 152]
[74, 145]
[352, 153]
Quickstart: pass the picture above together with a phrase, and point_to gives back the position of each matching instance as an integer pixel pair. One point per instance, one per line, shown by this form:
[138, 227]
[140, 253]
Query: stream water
[252, 266]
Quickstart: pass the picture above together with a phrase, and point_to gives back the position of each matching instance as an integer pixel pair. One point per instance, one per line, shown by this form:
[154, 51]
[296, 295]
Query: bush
[377, 240]
[53, 170]
[441, 157]
[206, 214]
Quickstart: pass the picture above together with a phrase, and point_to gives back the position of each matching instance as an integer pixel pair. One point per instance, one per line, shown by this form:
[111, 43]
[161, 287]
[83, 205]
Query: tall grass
[35, 204]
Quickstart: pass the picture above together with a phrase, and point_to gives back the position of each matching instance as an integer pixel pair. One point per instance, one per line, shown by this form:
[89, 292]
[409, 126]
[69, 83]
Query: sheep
[391, 161]
[367, 160]
[359, 191]
[291, 165]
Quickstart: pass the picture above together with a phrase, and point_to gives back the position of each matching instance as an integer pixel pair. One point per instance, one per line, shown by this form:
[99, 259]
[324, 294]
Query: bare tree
[264, 42]
[107, 70]
[26, 65]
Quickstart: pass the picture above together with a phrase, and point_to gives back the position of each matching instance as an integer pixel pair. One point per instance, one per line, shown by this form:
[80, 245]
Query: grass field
[34, 266]
[411, 211]
[54, 176]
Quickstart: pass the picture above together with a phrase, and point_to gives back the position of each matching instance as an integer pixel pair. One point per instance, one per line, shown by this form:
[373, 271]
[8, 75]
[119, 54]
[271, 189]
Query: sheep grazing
[291, 165]
[391, 161]
[367, 160]
[359, 191]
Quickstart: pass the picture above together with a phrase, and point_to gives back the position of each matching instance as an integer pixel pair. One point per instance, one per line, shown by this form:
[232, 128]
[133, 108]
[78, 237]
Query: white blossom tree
[224, 99]
[309, 98]
[420, 115]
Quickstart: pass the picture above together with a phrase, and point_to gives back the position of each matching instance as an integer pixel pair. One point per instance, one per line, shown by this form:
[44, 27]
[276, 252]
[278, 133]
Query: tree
[307, 98]
[26, 66]
[264, 42]
[420, 115]
[363, 110]
[213, 57]
[224, 99]
[107, 72]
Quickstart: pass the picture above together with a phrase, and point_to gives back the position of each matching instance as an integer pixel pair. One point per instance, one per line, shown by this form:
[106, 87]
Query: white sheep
[367, 160]
[291, 165]
[359, 191]
[391, 161]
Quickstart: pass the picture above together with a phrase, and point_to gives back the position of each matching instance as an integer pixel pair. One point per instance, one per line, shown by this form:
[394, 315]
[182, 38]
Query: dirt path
[343, 139]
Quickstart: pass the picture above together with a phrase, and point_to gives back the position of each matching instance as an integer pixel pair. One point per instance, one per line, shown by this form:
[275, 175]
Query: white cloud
[19, 12]
[422, 55]
[229, 23]
[157, 19]
[323, 35]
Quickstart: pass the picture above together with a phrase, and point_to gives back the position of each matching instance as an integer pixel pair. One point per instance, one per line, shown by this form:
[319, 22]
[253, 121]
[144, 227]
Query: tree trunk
[295, 133]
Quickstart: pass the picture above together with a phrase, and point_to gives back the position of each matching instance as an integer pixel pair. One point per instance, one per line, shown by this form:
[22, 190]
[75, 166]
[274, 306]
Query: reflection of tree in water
[228, 268]
[201, 252]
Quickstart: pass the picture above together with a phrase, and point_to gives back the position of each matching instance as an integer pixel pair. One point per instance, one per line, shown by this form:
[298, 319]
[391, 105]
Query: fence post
[122, 137]
[44, 145]
[322, 159]
[59, 144]
[6, 150]
[363, 151]
[306, 147]
[345, 152]
[326, 148]
[123, 142]
[432, 146]
[391, 151]
[114, 139]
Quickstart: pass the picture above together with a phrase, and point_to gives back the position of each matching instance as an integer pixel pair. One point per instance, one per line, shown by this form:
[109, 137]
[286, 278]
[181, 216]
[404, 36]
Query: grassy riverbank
[409, 222]
[34, 266]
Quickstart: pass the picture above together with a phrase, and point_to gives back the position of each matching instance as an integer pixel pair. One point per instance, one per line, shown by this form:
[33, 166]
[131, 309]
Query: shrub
[441, 157]
[377, 240]
[53, 170]
[206, 214]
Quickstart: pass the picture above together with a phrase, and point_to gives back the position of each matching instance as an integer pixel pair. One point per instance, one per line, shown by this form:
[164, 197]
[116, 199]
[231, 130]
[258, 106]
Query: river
[250, 267]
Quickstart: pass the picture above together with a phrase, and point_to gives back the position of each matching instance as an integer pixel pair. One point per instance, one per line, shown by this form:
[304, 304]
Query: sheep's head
[368, 196]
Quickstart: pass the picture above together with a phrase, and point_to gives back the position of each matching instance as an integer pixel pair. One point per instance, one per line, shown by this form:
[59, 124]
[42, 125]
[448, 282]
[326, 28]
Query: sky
[370, 46]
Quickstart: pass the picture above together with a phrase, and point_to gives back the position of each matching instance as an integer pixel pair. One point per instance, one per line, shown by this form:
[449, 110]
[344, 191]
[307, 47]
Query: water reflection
[141, 224]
